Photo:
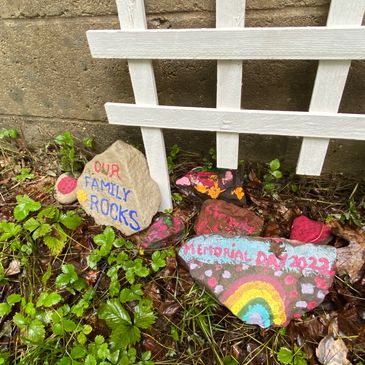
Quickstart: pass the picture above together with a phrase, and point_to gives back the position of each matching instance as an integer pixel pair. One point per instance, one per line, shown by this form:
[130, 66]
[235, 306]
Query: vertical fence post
[132, 15]
[229, 14]
[328, 87]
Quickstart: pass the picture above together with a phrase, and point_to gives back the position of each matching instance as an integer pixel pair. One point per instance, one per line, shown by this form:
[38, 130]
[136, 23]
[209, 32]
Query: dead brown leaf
[332, 352]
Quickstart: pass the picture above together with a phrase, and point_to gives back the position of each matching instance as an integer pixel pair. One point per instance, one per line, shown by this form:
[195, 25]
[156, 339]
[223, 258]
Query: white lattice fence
[342, 40]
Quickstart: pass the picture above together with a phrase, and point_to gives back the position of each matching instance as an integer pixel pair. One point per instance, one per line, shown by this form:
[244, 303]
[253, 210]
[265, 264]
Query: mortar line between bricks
[36, 118]
[274, 12]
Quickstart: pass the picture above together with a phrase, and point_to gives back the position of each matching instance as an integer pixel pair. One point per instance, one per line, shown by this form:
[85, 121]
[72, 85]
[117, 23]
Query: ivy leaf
[70, 220]
[25, 206]
[105, 238]
[143, 316]
[9, 229]
[43, 229]
[36, 332]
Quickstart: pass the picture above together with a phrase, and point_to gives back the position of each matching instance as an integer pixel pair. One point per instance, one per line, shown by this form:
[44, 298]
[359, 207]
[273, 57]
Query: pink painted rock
[307, 230]
[165, 229]
[224, 184]
[257, 285]
[65, 189]
[218, 216]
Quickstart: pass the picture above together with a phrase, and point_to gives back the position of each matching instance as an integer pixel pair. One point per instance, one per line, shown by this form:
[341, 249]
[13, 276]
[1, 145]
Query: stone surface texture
[223, 184]
[65, 189]
[48, 78]
[262, 281]
[165, 230]
[227, 219]
[117, 190]
[307, 230]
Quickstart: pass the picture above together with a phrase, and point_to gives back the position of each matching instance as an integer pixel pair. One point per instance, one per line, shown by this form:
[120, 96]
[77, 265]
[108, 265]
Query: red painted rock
[65, 189]
[225, 184]
[218, 216]
[257, 285]
[165, 229]
[307, 230]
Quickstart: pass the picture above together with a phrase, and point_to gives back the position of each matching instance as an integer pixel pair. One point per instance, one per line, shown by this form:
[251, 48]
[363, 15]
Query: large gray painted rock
[117, 190]
[262, 281]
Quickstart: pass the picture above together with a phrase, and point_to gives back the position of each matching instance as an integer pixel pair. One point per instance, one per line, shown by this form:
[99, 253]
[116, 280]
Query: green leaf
[20, 320]
[36, 332]
[107, 237]
[99, 339]
[43, 229]
[87, 329]
[129, 294]
[65, 139]
[143, 316]
[48, 300]
[50, 212]
[90, 360]
[114, 314]
[31, 224]
[70, 220]
[277, 174]
[68, 276]
[78, 352]
[94, 258]
[9, 230]
[69, 325]
[10, 133]
[158, 261]
[24, 175]
[103, 351]
[47, 275]
[13, 298]
[274, 165]
[285, 355]
[25, 206]
[88, 142]
[5, 309]
[56, 244]
[81, 338]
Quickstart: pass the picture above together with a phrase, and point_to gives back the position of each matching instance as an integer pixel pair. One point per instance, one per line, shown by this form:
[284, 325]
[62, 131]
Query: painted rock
[117, 190]
[165, 229]
[307, 230]
[225, 185]
[218, 216]
[259, 286]
[65, 189]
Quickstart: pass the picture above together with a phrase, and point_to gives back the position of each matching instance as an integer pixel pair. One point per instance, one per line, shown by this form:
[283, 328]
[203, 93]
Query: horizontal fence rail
[301, 124]
[342, 40]
[309, 43]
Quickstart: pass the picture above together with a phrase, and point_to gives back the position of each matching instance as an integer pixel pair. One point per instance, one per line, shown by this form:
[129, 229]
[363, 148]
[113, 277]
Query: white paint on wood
[304, 124]
[132, 16]
[329, 85]
[229, 82]
[308, 43]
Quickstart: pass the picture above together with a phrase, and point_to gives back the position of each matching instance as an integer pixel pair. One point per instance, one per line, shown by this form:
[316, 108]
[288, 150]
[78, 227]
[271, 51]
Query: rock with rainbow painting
[262, 281]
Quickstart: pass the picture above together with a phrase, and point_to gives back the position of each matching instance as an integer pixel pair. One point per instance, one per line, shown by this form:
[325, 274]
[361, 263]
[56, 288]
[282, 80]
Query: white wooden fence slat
[304, 124]
[229, 81]
[308, 43]
[132, 16]
[329, 85]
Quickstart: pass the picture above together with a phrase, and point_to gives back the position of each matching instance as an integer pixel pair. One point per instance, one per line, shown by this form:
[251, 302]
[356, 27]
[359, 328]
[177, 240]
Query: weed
[270, 185]
[25, 174]
[171, 158]
[287, 356]
[8, 133]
